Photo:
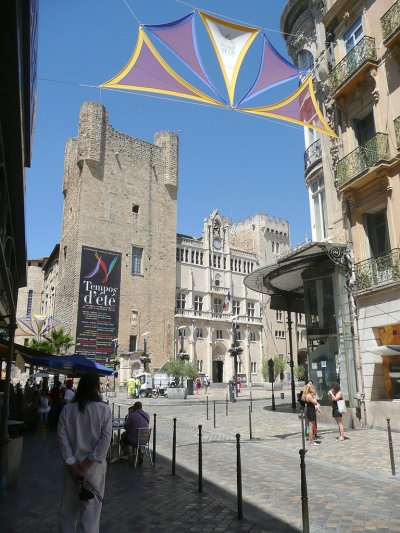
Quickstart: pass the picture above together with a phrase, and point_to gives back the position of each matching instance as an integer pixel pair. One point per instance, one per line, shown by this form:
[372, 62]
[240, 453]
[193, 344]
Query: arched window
[305, 60]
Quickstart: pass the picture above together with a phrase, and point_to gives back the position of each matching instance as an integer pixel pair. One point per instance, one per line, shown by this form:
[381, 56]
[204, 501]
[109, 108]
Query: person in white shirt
[84, 435]
[69, 391]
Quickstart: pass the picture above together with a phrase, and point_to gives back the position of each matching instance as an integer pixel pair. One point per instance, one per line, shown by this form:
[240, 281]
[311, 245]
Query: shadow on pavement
[145, 499]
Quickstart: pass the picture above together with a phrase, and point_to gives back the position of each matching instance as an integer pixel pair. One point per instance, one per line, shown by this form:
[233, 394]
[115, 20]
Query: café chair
[143, 446]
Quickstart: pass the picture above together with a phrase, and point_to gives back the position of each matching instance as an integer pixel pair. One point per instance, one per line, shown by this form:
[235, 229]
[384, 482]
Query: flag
[226, 301]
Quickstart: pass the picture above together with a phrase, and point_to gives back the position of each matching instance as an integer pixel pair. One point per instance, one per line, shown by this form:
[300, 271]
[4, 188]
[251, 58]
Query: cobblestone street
[350, 484]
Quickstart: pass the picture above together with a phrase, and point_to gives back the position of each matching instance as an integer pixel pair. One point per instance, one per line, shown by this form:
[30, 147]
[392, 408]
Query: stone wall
[121, 192]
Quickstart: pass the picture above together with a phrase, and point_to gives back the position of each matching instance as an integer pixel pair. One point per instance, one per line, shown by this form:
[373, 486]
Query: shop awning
[285, 274]
[70, 364]
[389, 349]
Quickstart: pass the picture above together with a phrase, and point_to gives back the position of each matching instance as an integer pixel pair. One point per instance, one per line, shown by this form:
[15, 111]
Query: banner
[98, 306]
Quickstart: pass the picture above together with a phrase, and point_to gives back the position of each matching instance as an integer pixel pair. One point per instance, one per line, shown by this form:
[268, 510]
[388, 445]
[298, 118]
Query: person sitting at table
[136, 419]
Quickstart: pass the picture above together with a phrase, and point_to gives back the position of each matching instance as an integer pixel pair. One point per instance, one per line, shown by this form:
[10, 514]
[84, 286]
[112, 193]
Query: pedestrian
[198, 384]
[239, 383]
[57, 399]
[84, 434]
[136, 419]
[310, 398]
[334, 395]
[69, 391]
[206, 383]
[44, 406]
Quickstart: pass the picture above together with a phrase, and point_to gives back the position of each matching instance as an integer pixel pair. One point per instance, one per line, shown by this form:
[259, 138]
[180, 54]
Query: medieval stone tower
[119, 209]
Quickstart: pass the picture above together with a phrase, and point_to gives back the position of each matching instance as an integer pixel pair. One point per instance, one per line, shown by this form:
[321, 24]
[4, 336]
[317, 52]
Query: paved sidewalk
[350, 485]
[145, 499]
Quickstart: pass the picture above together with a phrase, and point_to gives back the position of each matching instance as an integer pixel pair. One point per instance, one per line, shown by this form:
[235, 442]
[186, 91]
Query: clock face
[217, 243]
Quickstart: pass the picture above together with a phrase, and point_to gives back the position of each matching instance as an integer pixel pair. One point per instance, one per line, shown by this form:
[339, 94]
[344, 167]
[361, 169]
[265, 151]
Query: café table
[117, 426]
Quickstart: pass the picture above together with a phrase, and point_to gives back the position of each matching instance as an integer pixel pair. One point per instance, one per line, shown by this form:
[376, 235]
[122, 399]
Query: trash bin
[282, 395]
[232, 391]
[189, 385]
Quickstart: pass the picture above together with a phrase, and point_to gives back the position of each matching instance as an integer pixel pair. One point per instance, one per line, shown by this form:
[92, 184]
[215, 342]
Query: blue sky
[237, 163]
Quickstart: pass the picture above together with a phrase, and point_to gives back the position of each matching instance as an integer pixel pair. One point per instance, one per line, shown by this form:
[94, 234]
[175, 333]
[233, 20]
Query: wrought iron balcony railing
[397, 131]
[312, 155]
[364, 157]
[391, 21]
[377, 270]
[363, 51]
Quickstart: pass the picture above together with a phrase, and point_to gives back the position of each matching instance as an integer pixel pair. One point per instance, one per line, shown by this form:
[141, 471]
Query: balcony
[346, 75]
[381, 269]
[391, 25]
[362, 158]
[397, 131]
[312, 156]
[219, 290]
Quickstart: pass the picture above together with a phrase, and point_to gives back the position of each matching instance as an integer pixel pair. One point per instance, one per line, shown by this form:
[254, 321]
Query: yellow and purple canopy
[148, 71]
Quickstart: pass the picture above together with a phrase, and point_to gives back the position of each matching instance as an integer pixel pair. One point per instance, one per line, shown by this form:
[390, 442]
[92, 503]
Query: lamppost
[115, 343]
[145, 356]
[181, 331]
[235, 351]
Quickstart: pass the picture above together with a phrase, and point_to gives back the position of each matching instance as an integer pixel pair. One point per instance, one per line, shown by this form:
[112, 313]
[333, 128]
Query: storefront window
[320, 306]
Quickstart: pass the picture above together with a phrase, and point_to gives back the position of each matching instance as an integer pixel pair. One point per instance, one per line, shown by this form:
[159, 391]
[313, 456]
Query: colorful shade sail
[180, 38]
[231, 43]
[274, 70]
[35, 325]
[147, 71]
[301, 107]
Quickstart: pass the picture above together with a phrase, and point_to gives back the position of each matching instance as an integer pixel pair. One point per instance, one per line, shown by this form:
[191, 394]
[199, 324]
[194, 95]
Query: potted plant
[279, 367]
[176, 369]
[300, 374]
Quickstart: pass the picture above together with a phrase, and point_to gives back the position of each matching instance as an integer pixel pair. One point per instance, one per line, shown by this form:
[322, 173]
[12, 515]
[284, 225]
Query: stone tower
[120, 197]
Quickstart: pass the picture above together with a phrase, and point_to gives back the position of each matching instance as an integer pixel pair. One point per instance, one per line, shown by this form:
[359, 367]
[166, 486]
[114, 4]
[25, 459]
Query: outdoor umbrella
[70, 364]
[40, 375]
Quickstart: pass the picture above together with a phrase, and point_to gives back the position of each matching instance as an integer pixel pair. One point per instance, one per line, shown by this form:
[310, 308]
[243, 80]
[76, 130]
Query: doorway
[218, 371]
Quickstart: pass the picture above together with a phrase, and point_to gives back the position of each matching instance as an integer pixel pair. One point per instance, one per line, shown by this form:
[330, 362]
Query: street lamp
[234, 352]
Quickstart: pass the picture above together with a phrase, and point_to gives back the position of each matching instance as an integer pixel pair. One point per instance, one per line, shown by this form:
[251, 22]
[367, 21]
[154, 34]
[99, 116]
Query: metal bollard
[304, 495]
[154, 437]
[119, 413]
[251, 402]
[207, 407]
[174, 448]
[200, 462]
[303, 436]
[112, 410]
[391, 447]
[215, 419]
[226, 404]
[251, 433]
[239, 478]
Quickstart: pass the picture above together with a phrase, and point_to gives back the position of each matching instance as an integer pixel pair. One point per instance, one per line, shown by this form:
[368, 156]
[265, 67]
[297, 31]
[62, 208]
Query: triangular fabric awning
[231, 43]
[301, 107]
[274, 70]
[147, 71]
[26, 326]
[180, 38]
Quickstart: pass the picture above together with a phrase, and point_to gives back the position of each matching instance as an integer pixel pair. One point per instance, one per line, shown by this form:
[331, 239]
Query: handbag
[341, 406]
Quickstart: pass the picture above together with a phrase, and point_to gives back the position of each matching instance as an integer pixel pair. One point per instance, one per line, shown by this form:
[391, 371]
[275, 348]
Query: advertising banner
[98, 307]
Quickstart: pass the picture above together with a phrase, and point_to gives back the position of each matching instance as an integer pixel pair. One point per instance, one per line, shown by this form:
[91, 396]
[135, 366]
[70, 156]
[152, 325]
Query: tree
[300, 372]
[279, 366]
[175, 368]
[57, 342]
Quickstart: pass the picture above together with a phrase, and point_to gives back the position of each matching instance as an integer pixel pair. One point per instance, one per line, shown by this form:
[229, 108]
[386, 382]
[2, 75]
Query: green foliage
[264, 370]
[175, 368]
[279, 364]
[57, 342]
[299, 372]
[191, 371]
[43, 346]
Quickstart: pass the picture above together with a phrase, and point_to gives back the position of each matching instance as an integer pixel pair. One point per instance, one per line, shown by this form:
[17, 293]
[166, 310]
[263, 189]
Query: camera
[85, 495]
